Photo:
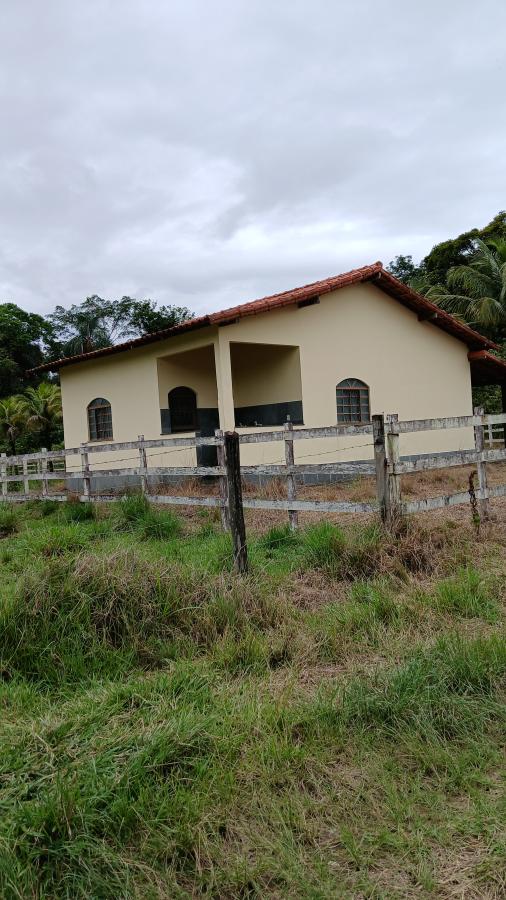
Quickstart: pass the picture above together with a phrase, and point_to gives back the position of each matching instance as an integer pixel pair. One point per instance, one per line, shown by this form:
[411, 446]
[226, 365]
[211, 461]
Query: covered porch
[488, 370]
[228, 385]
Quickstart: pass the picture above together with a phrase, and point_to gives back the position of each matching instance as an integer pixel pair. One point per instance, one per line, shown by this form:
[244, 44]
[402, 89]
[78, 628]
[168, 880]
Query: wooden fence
[382, 434]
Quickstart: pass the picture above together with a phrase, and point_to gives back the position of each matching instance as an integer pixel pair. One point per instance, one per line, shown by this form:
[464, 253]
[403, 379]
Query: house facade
[336, 351]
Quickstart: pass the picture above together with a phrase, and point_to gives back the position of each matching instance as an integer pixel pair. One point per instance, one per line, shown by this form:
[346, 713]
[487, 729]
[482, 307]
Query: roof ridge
[323, 285]
[373, 272]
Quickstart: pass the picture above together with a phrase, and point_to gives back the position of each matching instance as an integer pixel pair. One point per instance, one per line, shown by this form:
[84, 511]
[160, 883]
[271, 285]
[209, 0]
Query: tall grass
[352, 554]
[75, 511]
[467, 594]
[449, 691]
[134, 513]
[178, 785]
[102, 614]
[9, 520]
[169, 729]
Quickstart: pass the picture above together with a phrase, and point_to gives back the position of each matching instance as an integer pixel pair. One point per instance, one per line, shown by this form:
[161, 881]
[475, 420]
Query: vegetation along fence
[383, 433]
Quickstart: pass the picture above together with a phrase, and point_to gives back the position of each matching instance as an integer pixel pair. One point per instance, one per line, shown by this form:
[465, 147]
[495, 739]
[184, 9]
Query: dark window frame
[100, 420]
[353, 402]
[182, 419]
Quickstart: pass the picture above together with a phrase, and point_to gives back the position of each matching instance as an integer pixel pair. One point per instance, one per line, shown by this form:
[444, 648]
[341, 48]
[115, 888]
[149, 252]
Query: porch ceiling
[486, 369]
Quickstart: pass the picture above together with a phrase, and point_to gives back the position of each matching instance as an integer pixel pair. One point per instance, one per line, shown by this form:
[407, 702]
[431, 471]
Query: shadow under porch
[188, 397]
[266, 384]
[265, 381]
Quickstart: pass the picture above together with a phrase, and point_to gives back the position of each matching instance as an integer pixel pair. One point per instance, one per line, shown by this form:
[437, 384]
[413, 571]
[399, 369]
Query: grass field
[331, 726]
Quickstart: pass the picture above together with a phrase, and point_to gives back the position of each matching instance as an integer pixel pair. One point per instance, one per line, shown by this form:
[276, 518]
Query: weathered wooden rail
[382, 441]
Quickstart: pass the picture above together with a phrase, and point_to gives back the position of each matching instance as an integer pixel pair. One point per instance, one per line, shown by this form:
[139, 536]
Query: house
[337, 350]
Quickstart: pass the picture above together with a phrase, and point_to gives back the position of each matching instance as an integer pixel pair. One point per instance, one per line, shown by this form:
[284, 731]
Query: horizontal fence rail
[381, 441]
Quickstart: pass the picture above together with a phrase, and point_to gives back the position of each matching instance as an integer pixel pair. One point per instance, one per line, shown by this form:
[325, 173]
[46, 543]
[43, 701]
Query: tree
[41, 409]
[403, 268]
[11, 421]
[23, 337]
[458, 251]
[146, 317]
[476, 290]
[431, 272]
[98, 323]
[83, 327]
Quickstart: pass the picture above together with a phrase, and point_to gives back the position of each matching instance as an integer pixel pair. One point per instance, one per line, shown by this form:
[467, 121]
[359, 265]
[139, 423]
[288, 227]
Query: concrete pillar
[224, 382]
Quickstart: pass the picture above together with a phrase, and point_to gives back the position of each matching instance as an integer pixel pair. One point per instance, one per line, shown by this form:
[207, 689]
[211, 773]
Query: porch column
[224, 382]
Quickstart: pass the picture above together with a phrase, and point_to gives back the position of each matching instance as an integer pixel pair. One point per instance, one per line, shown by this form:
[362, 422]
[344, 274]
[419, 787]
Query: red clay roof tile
[374, 273]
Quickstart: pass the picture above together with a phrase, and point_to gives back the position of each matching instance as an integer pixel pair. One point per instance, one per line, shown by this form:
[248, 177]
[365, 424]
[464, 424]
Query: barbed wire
[335, 450]
[170, 450]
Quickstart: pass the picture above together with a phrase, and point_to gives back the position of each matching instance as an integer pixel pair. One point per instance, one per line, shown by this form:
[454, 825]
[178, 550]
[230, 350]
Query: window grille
[352, 399]
[100, 420]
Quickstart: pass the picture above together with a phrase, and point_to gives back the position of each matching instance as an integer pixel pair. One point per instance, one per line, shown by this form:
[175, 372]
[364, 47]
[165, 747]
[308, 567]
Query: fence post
[220, 453]
[26, 480]
[393, 495]
[85, 468]
[380, 459]
[481, 466]
[143, 460]
[291, 488]
[235, 507]
[43, 471]
[3, 471]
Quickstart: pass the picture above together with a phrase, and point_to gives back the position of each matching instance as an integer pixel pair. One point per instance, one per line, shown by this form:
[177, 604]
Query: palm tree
[42, 411]
[11, 420]
[83, 327]
[476, 292]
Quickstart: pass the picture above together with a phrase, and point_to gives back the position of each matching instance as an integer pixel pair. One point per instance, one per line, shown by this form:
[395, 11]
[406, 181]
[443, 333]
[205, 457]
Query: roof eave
[486, 369]
[374, 274]
[435, 314]
[153, 338]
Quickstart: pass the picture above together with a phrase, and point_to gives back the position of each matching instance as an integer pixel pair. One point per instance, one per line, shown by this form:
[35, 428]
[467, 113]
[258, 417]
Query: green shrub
[9, 520]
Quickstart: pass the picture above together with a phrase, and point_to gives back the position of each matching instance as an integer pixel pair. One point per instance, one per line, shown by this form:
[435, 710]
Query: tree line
[27, 340]
[30, 406]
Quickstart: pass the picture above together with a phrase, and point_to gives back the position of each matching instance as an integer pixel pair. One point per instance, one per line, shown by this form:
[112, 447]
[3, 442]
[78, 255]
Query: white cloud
[206, 153]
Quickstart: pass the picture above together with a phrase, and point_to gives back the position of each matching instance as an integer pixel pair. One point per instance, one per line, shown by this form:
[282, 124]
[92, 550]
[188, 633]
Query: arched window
[183, 409]
[100, 420]
[352, 398]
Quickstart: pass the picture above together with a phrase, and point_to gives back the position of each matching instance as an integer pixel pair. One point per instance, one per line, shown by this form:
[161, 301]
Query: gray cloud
[206, 153]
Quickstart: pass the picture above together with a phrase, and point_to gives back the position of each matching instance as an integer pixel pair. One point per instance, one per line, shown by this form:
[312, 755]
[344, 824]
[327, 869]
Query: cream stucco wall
[136, 384]
[262, 373]
[192, 368]
[412, 368]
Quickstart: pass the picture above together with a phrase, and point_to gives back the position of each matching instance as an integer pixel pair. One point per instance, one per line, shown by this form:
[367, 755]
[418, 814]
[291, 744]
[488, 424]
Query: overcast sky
[206, 152]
